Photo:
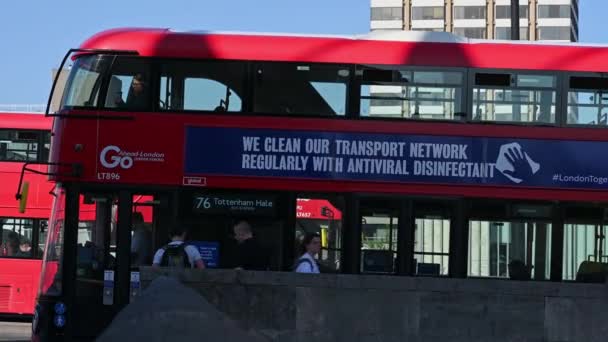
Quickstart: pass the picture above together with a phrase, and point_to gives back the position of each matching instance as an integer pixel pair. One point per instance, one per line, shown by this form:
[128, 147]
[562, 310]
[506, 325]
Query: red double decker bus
[24, 138]
[424, 153]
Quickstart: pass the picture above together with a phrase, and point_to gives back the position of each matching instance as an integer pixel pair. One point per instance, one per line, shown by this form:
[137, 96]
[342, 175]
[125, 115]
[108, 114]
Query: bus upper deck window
[411, 94]
[514, 97]
[300, 89]
[211, 86]
[587, 100]
[130, 85]
[18, 145]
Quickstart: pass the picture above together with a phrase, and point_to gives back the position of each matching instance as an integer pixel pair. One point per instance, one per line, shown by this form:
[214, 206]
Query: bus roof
[391, 48]
[35, 121]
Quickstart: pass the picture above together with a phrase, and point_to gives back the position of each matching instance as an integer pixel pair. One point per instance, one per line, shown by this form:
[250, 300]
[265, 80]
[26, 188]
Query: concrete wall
[300, 307]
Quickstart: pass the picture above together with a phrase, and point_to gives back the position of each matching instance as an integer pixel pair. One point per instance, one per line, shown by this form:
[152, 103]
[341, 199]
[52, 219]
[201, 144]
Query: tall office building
[554, 20]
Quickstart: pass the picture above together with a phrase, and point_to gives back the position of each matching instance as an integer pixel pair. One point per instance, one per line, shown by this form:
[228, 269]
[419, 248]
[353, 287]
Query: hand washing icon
[515, 163]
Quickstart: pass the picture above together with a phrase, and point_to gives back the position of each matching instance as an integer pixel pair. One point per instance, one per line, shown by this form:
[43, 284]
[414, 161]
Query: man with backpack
[178, 254]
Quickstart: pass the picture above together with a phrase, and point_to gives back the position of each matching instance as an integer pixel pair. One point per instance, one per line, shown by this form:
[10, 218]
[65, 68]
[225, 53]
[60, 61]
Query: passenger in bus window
[309, 247]
[177, 253]
[138, 94]
[250, 254]
[11, 246]
[114, 94]
[25, 249]
[141, 241]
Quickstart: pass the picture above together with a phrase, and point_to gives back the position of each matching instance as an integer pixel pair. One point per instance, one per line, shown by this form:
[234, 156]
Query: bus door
[150, 221]
[106, 276]
[96, 261]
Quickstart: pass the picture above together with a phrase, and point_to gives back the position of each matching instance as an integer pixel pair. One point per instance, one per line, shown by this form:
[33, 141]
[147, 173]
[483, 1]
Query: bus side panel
[39, 199]
[18, 285]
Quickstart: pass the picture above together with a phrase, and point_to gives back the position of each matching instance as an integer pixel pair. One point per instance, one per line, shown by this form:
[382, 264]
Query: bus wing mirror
[25, 188]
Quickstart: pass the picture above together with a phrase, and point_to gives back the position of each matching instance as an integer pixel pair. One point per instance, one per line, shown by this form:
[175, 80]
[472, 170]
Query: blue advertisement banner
[210, 251]
[396, 158]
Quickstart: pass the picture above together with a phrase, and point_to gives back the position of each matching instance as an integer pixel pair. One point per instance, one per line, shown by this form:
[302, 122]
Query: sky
[35, 34]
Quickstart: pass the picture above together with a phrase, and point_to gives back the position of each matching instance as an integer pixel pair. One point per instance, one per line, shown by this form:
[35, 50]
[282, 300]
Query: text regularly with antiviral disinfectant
[395, 158]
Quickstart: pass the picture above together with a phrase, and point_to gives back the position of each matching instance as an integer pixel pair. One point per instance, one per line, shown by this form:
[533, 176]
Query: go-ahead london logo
[113, 156]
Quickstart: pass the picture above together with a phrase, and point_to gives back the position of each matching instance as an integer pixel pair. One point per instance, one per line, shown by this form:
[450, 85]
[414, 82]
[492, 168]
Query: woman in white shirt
[310, 246]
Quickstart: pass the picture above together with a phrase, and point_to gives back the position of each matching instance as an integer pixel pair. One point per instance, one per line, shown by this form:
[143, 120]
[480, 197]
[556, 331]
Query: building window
[427, 13]
[471, 32]
[504, 12]
[554, 11]
[554, 33]
[428, 29]
[387, 13]
[505, 33]
[469, 12]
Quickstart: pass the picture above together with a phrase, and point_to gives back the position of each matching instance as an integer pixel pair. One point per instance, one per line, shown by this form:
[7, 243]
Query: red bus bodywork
[19, 277]
[82, 137]
[39, 201]
[142, 130]
[164, 43]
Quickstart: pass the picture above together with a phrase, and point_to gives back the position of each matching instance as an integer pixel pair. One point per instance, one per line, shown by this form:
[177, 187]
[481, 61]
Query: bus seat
[114, 95]
[543, 115]
[478, 114]
[428, 269]
[592, 272]
[377, 261]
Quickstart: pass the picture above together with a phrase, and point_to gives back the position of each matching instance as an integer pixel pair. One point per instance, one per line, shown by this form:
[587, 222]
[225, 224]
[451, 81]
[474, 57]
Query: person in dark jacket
[137, 98]
[249, 253]
[141, 241]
